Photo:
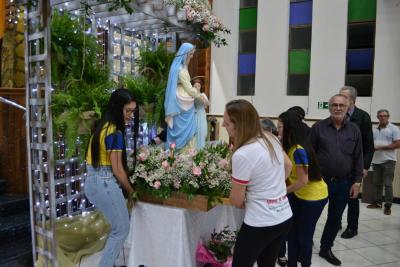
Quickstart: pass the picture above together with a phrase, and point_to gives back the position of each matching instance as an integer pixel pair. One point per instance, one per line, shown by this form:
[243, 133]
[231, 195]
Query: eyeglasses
[335, 105]
[130, 110]
[383, 116]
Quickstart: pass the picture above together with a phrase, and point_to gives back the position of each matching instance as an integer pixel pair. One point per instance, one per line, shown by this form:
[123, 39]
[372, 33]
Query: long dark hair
[294, 133]
[114, 115]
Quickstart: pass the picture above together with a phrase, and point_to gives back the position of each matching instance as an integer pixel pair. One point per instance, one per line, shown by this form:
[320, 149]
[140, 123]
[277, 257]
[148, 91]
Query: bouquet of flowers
[205, 172]
[219, 249]
[198, 15]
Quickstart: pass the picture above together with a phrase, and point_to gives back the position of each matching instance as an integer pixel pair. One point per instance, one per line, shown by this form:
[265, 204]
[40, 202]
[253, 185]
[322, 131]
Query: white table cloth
[163, 236]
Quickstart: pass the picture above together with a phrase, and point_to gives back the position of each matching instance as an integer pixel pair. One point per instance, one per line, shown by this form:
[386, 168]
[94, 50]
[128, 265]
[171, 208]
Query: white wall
[386, 88]
[328, 55]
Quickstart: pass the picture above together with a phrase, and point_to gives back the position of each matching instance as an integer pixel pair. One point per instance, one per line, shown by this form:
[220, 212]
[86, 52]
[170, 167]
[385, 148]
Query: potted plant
[218, 251]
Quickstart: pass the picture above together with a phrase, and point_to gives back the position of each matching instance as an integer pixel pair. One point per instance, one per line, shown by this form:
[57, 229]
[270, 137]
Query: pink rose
[205, 28]
[165, 165]
[142, 156]
[157, 184]
[222, 163]
[190, 15]
[177, 184]
[172, 145]
[192, 151]
[196, 171]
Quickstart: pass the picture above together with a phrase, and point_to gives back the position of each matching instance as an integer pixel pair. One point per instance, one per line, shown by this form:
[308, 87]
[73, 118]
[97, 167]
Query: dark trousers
[282, 250]
[259, 244]
[383, 175]
[300, 238]
[353, 213]
[339, 192]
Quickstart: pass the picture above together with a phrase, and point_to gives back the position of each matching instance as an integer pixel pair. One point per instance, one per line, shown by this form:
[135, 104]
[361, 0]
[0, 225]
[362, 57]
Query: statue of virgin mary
[179, 101]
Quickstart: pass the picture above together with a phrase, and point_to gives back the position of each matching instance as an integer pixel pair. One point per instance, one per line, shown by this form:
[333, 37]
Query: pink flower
[205, 28]
[190, 15]
[192, 151]
[177, 184]
[172, 145]
[142, 156]
[157, 184]
[165, 165]
[222, 163]
[196, 171]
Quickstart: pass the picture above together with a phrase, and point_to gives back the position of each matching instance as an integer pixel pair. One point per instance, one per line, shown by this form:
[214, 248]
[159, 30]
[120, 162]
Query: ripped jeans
[102, 190]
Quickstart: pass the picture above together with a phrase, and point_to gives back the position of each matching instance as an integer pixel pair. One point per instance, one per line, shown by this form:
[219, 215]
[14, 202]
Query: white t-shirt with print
[264, 177]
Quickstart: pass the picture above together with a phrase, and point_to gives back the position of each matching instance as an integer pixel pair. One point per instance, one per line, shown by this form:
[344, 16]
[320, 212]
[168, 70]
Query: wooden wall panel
[13, 158]
[200, 66]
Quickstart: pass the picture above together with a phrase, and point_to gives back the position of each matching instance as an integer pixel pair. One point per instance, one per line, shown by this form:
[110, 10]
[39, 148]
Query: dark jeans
[353, 213]
[300, 238]
[259, 244]
[383, 175]
[339, 192]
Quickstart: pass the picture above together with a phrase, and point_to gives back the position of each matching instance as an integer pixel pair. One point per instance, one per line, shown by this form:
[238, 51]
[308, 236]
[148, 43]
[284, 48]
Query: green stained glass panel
[362, 10]
[299, 61]
[248, 18]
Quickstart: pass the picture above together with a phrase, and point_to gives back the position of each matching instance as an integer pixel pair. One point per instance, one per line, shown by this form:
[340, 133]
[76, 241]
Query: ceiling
[149, 16]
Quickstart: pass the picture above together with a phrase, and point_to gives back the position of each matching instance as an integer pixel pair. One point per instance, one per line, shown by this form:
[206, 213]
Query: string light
[13, 13]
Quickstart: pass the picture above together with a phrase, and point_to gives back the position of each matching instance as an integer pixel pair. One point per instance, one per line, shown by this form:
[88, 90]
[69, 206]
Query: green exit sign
[322, 105]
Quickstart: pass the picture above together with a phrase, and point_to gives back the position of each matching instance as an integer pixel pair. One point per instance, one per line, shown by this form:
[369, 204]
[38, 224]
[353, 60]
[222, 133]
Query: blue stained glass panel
[247, 64]
[300, 13]
[359, 59]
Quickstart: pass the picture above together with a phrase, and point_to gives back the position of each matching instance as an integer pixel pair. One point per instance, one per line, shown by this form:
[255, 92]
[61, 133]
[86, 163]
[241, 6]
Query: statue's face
[197, 85]
[189, 56]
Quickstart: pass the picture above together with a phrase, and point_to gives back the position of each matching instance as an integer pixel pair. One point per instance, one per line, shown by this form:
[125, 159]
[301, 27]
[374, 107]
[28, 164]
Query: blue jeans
[339, 193]
[300, 239]
[102, 190]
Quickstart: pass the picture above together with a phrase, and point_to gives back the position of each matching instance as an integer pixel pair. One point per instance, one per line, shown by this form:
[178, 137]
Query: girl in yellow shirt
[307, 191]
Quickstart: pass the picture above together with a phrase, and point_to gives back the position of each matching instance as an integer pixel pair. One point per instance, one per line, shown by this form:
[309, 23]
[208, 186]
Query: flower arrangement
[218, 250]
[205, 172]
[198, 15]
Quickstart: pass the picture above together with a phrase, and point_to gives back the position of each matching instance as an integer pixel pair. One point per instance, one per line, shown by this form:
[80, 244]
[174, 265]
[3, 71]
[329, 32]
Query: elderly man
[338, 146]
[386, 140]
[363, 121]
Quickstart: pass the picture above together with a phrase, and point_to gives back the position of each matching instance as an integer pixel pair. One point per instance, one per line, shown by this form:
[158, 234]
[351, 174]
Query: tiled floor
[377, 242]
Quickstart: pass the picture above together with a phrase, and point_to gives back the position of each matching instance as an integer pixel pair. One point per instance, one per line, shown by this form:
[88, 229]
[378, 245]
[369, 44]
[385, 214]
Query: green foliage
[81, 83]
[69, 104]
[149, 94]
[149, 88]
[155, 64]
[73, 52]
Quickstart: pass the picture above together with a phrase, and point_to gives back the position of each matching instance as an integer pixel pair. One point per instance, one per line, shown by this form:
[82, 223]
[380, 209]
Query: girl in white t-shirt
[259, 170]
